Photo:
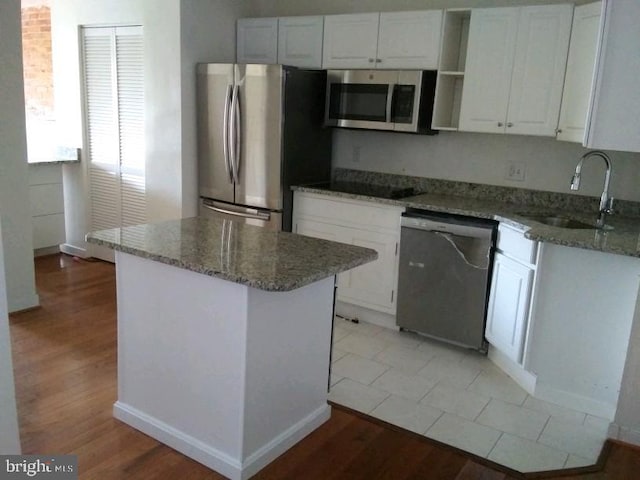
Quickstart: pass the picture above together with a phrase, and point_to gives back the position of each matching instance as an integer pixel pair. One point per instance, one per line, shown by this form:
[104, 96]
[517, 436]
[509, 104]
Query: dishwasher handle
[471, 250]
[460, 229]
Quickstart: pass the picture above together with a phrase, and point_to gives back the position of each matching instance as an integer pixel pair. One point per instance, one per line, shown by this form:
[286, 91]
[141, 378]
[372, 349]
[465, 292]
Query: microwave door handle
[390, 100]
[226, 138]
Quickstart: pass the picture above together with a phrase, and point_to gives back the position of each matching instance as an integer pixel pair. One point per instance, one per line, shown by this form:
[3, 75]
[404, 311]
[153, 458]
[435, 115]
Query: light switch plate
[515, 171]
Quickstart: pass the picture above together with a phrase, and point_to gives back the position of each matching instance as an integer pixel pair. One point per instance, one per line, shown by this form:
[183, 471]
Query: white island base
[227, 374]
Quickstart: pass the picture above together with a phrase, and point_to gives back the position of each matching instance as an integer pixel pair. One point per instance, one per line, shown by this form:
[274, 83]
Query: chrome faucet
[606, 202]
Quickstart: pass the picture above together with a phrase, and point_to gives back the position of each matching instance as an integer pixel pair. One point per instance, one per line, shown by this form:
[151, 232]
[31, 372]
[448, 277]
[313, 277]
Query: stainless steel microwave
[396, 100]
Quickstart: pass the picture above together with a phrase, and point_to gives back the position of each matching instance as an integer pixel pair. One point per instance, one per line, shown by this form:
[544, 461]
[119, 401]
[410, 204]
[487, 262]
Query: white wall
[9, 435]
[462, 156]
[627, 419]
[208, 30]
[14, 196]
[177, 34]
[484, 158]
[162, 100]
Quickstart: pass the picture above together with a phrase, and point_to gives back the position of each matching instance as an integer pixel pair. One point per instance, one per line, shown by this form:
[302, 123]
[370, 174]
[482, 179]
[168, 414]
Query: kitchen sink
[562, 222]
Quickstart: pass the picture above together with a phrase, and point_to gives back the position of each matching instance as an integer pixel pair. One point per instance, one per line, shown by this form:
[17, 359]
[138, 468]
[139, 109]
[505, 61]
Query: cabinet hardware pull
[371, 60]
[378, 60]
[559, 130]
[500, 124]
[509, 125]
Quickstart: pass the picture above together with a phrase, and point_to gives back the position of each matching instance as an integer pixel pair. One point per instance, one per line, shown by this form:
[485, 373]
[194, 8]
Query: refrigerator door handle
[226, 139]
[236, 133]
[253, 214]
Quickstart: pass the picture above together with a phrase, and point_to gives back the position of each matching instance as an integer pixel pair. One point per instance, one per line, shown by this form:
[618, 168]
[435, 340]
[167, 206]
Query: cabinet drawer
[512, 243]
[348, 212]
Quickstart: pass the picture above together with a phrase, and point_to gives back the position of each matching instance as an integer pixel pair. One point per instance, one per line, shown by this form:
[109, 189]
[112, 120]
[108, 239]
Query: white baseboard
[41, 252]
[381, 319]
[624, 434]
[575, 401]
[526, 380]
[73, 250]
[283, 442]
[23, 302]
[213, 458]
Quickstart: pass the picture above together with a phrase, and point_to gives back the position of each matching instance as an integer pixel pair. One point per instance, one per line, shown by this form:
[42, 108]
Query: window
[38, 79]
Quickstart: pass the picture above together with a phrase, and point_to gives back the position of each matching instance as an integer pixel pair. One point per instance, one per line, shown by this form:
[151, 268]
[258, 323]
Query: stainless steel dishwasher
[444, 276]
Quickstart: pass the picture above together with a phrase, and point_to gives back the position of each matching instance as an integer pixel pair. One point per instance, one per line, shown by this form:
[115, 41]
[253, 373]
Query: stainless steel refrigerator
[259, 132]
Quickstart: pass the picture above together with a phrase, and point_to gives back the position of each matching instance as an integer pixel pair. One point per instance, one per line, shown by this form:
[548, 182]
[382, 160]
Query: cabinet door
[372, 285]
[326, 231]
[257, 40]
[614, 122]
[350, 41]
[578, 80]
[509, 306]
[491, 46]
[538, 69]
[409, 39]
[300, 41]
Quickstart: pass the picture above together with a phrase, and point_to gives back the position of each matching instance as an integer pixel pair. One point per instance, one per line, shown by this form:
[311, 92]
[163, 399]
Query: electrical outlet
[515, 171]
[356, 154]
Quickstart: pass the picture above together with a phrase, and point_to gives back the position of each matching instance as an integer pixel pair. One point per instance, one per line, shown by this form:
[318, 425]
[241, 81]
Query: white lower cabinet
[365, 224]
[508, 306]
[511, 293]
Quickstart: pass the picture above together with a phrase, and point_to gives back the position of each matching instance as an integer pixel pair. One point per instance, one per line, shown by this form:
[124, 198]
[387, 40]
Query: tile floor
[457, 397]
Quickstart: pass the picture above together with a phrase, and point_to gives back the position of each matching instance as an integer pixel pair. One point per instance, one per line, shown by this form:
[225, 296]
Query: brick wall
[36, 52]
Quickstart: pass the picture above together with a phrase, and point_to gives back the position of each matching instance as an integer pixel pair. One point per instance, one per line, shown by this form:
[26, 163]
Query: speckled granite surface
[252, 256]
[514, 208]
[510, 195]
[54, 162]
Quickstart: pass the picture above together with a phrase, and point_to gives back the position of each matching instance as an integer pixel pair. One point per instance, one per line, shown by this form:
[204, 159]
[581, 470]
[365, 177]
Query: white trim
[41, 252]
[73, 250]
[624, 434]
[382, 319]
[23, 302]
[283, 442]
[213, 458]
[526, 380]
[574, 401]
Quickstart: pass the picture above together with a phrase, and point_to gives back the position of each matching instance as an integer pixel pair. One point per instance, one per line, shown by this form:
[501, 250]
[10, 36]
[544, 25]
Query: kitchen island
[224, 336]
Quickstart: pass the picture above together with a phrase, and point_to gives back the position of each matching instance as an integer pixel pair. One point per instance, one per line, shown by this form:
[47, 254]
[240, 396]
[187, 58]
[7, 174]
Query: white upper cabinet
[409, 39]
[257, 40]
[350, 41]
[295, 41]
[614, 122]
[515, 69]
[538, 69]
[578, 80]
[383, 40]
[300, 41]
[490, 49]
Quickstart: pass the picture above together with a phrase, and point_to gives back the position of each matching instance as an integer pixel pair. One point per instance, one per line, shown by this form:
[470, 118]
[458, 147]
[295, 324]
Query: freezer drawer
[443, 284]
[250, 216]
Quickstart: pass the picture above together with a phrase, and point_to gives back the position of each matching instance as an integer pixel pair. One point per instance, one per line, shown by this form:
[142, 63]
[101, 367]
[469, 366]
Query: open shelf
[453, 54]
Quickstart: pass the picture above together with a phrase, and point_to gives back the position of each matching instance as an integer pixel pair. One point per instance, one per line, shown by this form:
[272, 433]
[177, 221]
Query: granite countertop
[245, 254]
[623, 239]
[53, 162]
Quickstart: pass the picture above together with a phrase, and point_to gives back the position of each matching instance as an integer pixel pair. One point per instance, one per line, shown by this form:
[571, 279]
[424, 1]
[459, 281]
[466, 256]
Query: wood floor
[65, 369]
